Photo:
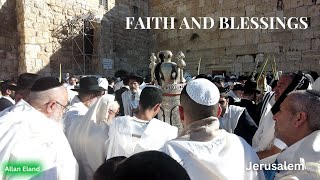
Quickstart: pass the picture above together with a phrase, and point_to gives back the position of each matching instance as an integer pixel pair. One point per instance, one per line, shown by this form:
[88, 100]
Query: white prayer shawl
[306, 152]
[122, 141]
[264, 135]
[118, 85]
[87, 137]
[28, 135]
[226, 156]
[76, 109]
[129, 103]
[230, 119]
[71, 94]
[234, 96]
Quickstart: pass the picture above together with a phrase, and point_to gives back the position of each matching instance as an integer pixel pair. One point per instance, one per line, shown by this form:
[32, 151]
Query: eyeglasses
[65, 108]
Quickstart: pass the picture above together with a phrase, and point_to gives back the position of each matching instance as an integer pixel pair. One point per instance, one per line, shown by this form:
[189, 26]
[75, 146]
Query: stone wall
[238, 50]
[130, 49]
[9, 40]
[46, 37]
[51, 35]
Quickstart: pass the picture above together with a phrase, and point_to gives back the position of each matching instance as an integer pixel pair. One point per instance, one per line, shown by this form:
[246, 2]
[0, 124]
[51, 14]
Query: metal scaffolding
[81, 31]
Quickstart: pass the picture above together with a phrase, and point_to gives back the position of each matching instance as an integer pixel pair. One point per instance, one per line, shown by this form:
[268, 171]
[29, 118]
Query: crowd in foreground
[98, 129]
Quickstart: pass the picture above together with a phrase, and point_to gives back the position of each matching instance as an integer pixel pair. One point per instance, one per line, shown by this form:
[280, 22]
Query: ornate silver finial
[168, 69]
[152, 66]
[167, 56]
[181, 65]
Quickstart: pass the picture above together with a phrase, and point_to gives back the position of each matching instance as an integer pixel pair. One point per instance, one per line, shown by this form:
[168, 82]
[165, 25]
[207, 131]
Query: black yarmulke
[45, 83]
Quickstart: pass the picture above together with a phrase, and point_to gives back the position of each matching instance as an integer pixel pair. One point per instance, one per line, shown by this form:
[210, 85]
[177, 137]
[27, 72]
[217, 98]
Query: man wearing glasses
[32, 132]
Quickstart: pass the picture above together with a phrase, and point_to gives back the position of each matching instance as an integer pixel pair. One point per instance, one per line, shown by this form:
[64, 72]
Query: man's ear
[50, 106]
[8, 91]
[156, 108]
[181, 113]
[301, 119]
[219, 111]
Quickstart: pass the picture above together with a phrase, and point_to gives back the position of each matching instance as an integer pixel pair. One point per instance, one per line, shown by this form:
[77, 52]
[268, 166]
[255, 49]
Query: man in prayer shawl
[264, 141]
[89, 92]
[235, 119]
[89, 134]
[130, 98]
[32, 131]
[204, 150]
[130, 135]
[297, 124]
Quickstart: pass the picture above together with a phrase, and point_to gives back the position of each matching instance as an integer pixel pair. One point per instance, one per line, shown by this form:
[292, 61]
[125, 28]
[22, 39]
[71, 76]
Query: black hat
[135, 76]
[25, 81]
[250, 87]
[89, 83]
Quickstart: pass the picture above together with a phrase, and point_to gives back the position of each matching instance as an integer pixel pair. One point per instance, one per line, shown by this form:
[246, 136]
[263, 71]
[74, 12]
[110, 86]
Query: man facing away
[24, 84]
[32, 131]
[298, 125]
[88, 135]
[130, 135]
[89, 92]
[205, 151]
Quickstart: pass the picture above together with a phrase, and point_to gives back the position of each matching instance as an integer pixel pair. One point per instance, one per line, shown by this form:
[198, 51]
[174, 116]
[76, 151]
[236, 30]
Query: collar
[201, 130]
[9, 98]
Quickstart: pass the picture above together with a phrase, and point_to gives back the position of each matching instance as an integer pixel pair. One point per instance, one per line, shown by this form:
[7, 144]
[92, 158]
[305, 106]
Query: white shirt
[71, 94]
[76, 109]
[130, 135]
[27, 134]
[224, 157]
[234, 96]
[229, 120]
[87, 137]
[264, 135]
[305, 152]
[130, 101]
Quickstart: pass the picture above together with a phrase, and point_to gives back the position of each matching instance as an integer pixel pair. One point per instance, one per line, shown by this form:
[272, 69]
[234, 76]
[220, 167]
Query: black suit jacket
[5, 103]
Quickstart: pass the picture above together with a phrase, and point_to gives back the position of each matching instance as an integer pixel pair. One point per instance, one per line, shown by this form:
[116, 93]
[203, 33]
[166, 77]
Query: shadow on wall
[9, 40]
[80, 45]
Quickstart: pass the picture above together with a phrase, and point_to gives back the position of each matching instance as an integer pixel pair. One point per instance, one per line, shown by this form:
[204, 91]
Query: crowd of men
[98, 128]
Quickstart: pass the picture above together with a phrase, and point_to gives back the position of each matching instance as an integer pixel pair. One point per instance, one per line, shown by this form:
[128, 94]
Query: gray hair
[40, 97]
[307, 101]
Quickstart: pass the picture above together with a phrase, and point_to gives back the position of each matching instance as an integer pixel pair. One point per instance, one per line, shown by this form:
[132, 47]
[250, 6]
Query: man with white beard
[31, 131]
[131, 97]
[89, 92]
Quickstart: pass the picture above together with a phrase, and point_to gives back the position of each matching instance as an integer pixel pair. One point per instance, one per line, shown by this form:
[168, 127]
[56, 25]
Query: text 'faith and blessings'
[223, 23]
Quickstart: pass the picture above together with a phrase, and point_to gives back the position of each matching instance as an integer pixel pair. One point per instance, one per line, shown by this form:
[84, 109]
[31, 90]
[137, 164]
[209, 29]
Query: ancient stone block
[272, 47]
[250, 10]
[314, 10]
[315, 44]
[296, 3]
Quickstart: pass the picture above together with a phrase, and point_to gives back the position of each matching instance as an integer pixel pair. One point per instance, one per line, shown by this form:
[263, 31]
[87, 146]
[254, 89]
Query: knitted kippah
[203, 92]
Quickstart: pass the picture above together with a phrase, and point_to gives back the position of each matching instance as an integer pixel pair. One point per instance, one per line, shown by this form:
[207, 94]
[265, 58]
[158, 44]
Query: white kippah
[203, 92]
